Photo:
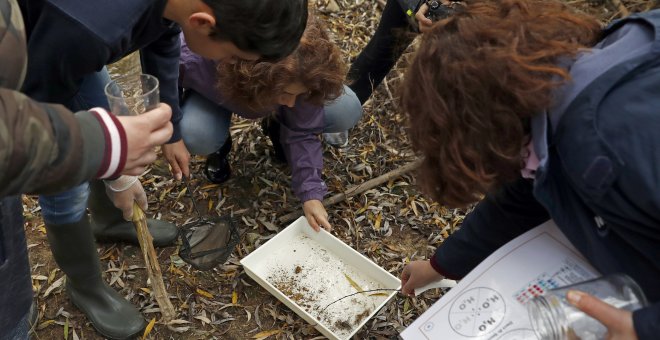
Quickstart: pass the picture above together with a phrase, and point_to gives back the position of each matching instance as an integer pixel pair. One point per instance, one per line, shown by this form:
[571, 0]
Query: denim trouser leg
[70, 206]
[343, 113]
[205, 124]
[20, 332]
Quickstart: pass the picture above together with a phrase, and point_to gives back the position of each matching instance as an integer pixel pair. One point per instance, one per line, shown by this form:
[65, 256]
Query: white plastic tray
[255, 267]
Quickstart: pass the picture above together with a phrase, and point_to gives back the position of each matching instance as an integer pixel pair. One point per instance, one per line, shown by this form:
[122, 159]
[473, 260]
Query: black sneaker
[271, 128]
[217, 168]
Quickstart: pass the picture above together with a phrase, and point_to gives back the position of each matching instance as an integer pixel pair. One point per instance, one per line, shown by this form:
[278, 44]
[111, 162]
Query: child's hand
[417, 274]
[316, 215]
[179, 157]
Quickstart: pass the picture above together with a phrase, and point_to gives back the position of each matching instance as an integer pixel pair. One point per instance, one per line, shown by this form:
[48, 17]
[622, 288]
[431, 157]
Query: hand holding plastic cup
[132, 94]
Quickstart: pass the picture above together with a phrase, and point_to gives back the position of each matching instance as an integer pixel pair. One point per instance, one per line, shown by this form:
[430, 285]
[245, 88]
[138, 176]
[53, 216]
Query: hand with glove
[123, 192]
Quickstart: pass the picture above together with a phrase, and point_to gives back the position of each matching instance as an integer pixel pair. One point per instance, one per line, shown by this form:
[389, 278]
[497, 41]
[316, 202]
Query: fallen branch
[151, 262]
[357, 189]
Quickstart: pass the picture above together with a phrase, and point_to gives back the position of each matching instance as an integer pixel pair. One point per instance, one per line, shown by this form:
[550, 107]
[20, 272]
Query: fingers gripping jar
[554, 318]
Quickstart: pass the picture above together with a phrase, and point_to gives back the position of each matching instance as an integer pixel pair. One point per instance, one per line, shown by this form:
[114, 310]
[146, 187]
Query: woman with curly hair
[292, 92]
[533, 109]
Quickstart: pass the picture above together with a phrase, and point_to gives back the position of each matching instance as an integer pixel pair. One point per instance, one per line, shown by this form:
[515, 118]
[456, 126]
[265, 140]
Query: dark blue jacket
[599, 176]
[68, 39]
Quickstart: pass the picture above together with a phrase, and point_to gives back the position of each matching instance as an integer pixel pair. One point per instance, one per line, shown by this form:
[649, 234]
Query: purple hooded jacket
[300, 125]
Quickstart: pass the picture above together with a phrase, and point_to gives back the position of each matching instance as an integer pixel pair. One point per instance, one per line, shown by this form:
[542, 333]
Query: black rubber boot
[217, 168]
[271, 128]
[109, 224]
[74, 250]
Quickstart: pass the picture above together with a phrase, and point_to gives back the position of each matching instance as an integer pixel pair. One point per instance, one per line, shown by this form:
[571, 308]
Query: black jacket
[68, 39]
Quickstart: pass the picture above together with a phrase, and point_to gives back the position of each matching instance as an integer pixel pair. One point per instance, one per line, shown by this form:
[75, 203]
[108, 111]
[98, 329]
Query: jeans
[20, 332]
[16, 293]
[70, 206]
[205, 124]
[387, 44]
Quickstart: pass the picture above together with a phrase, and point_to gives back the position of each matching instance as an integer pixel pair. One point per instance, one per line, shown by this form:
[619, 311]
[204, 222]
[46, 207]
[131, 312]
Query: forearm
[497, 219]
[45, 148]
[306, 172]
[305, 156]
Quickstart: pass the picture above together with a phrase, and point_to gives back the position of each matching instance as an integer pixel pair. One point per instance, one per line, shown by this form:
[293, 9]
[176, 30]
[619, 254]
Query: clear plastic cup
[132, 94]
[554, 318]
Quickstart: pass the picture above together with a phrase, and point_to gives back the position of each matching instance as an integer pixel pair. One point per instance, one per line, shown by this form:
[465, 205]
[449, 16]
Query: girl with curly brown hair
[534, 106]
[292, 90]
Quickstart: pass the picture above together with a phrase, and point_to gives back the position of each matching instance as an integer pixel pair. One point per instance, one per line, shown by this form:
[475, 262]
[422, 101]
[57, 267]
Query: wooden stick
[621, 7]
[357, 189]
[151, 262]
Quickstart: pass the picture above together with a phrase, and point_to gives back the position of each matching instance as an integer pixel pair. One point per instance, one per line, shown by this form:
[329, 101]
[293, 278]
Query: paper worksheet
[489, 303]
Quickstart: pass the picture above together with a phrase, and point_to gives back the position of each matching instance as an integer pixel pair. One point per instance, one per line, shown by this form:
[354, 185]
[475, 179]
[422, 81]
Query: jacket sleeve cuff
[646, 323]
[115, 151]
[435, 263]
[176, 133]
[312, 195]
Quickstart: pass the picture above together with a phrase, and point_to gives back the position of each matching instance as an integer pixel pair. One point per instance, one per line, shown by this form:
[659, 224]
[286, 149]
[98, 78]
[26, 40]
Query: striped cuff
[116, 151]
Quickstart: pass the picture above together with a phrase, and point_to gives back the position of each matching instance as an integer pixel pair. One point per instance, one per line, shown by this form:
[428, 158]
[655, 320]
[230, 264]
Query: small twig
[360, 292]
[151, 262]
[358, 189]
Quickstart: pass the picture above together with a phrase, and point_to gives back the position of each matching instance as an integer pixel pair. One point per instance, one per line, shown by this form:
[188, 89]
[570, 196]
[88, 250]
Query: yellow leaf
[42, 228]
[210, 205]
[146, 290]
[353, 283]
[413, 205]
[406, 306]
[204, 293]
[66, 329]
[210, 186]
[51, 276]
[181, 193]
[265, 334]
[163, 194]
[378, 294]
[234, 297]
[378, 219]
[147, 330]
[45, 324]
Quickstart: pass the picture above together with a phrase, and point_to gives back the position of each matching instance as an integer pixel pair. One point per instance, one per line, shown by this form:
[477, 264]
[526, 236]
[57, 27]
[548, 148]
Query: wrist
[433, 261]
[116, 150]
[121, 184]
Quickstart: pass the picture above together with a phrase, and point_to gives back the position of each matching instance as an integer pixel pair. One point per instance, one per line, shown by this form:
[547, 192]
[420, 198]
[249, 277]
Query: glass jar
[554, 318]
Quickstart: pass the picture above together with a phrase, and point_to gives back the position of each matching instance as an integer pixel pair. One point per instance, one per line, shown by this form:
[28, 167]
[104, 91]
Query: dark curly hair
[316, 63]
[475, 82]
[270, 28]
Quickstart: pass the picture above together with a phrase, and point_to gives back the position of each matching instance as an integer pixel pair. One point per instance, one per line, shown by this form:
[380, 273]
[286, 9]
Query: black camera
[438, 10]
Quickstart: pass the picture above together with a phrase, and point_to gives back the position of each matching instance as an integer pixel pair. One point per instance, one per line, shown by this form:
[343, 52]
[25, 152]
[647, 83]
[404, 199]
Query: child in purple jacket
[291, 91]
